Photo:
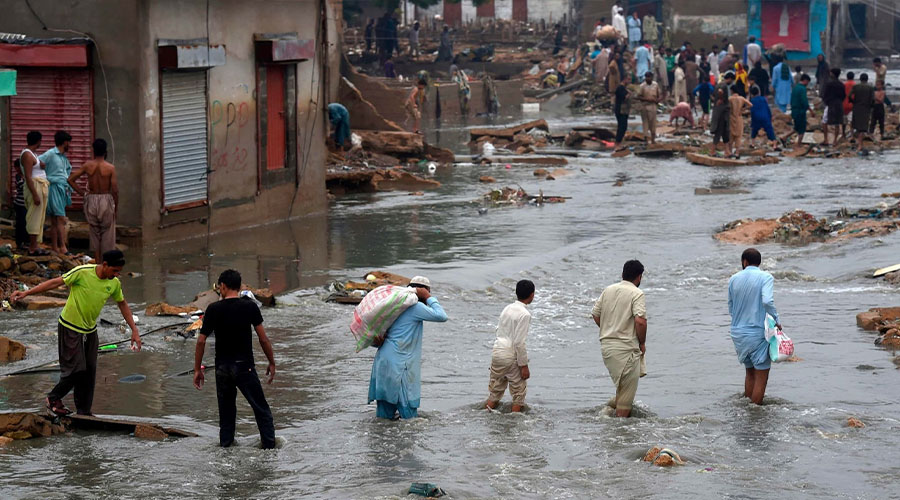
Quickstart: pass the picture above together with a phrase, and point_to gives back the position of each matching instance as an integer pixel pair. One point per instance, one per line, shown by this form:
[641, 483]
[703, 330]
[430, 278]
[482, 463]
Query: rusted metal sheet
[520, 10]
[46, 55]
[485, 10]
[786, 23]
[284, 50]
[191, 56]
[51, 99]
[453, 13]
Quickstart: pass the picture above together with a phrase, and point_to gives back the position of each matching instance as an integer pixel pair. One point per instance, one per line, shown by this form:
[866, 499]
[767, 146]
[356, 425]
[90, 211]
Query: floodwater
[795, 446]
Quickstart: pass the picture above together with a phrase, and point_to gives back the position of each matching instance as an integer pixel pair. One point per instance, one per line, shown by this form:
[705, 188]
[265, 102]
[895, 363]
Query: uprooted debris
[202, 300]
[369, 180]
[510, 196]
[799, 227]
[885, 321]
[352, 292]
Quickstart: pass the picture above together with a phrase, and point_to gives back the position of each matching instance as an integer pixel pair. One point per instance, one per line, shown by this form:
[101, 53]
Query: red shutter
[520, 11]
[275, 122]
[453, 13]
[51, 99]
[485, 10]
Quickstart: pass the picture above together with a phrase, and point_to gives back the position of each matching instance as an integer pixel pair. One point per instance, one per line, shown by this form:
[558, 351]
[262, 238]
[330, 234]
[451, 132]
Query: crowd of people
[633, 61]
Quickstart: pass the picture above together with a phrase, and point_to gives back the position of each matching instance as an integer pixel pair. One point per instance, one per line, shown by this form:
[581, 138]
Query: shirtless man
[101, 200]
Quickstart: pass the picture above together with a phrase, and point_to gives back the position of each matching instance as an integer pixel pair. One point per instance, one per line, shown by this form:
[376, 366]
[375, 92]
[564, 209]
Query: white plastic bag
[781, 347]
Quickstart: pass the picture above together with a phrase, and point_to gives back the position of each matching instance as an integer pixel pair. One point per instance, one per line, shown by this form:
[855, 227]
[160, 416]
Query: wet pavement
[795, 446]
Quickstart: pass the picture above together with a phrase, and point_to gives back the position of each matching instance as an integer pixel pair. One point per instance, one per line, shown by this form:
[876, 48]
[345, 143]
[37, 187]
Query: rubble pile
[20, 272]
[509, 196]
[352, 292]
[799, 227]
[885, 321]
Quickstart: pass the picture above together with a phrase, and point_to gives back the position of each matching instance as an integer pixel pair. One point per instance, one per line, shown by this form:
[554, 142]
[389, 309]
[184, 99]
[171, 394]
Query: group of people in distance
[621, 316]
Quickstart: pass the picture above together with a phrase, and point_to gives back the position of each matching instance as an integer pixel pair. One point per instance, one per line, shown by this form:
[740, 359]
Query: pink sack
[378, 311]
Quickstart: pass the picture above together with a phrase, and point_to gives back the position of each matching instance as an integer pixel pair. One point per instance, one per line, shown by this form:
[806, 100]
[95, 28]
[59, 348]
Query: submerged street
[564, 445]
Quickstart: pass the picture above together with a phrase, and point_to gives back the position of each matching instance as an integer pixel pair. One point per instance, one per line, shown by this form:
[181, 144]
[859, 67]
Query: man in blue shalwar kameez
[397, 371]
[340, 123]
[750, 298]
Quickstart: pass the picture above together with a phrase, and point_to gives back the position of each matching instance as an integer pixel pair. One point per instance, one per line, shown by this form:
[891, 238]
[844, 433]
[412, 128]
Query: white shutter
[184, 129]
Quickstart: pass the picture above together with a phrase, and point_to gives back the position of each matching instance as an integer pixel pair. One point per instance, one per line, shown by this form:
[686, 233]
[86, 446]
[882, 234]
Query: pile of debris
[263, 296]
[885, 321]
[520, 139]
[20, 272]
[509, 196]
[378, 160]
[352, 292]
[799, 227]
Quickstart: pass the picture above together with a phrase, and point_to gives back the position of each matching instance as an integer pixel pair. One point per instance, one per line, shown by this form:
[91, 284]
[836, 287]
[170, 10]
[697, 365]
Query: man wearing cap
[397, 371]
[89, 288]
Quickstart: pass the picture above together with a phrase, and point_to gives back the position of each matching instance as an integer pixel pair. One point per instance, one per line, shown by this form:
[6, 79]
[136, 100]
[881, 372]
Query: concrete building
[533, 11]
[214, 110]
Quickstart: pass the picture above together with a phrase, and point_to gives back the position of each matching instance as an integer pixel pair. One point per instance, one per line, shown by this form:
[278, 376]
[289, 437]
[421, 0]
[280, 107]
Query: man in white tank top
[35, 193]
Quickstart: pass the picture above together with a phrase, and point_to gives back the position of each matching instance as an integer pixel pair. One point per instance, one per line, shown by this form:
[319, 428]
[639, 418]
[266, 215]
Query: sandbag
[378, 311]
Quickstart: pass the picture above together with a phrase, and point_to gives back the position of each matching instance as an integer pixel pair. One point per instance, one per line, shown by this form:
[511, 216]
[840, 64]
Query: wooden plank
[712, 161]
[886, 270]
[508, 132]
[98, 423]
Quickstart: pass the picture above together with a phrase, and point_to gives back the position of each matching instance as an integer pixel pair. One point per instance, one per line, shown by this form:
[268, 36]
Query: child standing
[760, 117]
[414, 104]
[704, 92]
[509, 360]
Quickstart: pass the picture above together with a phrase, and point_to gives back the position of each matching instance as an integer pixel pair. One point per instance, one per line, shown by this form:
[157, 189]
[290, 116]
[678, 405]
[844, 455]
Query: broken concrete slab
[164, 309]
[118, 424]
[17, 424]
[11, 350]
[39, 302]
[400, 144]
[363, 114]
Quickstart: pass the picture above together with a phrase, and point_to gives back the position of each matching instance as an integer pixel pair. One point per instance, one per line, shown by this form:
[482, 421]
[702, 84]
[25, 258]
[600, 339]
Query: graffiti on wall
[231, 132]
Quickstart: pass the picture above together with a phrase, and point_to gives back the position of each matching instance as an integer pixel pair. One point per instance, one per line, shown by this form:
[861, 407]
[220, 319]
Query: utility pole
[842, 31]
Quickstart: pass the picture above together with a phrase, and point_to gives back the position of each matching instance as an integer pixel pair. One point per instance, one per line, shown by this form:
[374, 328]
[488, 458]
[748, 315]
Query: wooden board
[99, 423]
[885, 270]
[714, 161]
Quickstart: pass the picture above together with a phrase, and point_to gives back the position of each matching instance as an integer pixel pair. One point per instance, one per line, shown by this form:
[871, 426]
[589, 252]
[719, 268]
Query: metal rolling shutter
[51, 99]
[184, 129]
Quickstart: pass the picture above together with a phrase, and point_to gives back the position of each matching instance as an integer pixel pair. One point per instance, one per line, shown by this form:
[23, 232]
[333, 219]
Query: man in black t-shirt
[232, 320]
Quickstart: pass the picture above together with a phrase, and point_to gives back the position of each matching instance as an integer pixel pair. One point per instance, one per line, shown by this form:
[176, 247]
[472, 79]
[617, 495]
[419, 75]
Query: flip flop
[57, 408]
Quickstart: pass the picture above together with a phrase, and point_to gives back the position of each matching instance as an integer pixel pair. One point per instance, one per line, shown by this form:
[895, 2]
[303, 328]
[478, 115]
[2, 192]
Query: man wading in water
[101, 200]
[621, 314]
[509, 359]
[232, 320]
[89, 288]
[749, 300]
[396, 382]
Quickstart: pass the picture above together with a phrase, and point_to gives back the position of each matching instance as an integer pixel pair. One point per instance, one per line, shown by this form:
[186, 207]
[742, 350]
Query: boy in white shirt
[509, 360]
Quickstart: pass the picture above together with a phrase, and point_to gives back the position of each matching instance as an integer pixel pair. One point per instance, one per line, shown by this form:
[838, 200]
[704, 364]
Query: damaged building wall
[114, 119]
[242, 190]
[549, 11]
[706, 23]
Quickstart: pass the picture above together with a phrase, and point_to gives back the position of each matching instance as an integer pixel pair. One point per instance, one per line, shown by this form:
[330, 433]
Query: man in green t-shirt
[89, 288]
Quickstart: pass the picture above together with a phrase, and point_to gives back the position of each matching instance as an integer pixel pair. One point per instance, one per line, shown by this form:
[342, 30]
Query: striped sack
[378, 311]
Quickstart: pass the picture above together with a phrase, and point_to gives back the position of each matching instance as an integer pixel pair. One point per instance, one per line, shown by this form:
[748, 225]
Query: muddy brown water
[794, 446]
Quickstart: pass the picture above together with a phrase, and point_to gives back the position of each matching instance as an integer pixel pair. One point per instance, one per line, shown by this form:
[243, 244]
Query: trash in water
[426, 490]
[133, 379]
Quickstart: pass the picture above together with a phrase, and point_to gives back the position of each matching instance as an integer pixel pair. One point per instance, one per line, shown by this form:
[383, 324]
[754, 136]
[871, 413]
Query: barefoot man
[749, 300]
[101, 199]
